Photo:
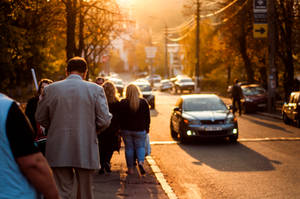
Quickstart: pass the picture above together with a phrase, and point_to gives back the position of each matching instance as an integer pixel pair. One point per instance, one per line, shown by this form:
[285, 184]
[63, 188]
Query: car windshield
[144, 87]
[203, 104]
[253, 91]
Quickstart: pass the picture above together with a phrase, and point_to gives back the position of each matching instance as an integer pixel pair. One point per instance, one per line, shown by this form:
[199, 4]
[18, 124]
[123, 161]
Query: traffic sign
[150, 51]
[260, 6]
[104, 58]
[260, 30]
[260, 17]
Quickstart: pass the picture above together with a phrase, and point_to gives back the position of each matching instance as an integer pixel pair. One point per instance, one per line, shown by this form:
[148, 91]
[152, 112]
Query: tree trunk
[247, 62]
[81, 26]
[71, 25]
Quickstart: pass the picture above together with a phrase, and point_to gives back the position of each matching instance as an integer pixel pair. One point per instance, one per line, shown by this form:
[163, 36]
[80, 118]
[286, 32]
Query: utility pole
[166, 52]
[272, 68]
[197, 66]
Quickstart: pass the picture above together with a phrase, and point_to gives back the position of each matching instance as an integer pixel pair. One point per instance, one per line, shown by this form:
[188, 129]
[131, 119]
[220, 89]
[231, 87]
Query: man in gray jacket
[73, 110]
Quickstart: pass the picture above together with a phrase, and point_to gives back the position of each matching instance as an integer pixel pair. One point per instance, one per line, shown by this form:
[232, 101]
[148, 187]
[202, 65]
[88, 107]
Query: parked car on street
[255, 98]
[165, 85]
[204, 116]
[291, 109]
[146, 90]
[153, 78]
[184, 83]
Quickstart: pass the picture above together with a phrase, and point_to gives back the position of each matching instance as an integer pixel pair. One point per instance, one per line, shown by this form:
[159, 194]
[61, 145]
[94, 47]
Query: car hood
[206, 115]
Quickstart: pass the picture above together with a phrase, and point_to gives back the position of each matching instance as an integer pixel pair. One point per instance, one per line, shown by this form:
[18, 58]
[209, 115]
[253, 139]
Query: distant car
[146, 90]
[254, 98]
[165, 85]
[204, 116]
[291, 109]
[153, 78]
[118, 83]
[184, 83]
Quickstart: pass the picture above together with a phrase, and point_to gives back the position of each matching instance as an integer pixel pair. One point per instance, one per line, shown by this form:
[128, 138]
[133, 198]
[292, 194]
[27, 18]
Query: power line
[233, 15]
[183, 36]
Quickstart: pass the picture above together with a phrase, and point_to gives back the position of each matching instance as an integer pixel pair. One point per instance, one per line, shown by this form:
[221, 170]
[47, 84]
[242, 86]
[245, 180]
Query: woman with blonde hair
[109, 139]
[135, 122]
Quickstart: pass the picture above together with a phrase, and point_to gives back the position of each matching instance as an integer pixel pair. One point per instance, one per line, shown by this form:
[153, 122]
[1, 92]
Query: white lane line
[240, 140]
[161, 179]
[163, 142]
[269, 139]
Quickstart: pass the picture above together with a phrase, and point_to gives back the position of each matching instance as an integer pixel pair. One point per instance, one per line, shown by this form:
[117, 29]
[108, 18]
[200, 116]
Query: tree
[287, 14]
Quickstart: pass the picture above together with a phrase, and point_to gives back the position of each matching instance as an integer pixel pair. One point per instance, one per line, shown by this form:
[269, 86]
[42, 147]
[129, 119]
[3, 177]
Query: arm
[31, 162]
[147, 116]
[37, 171]
[103, 116]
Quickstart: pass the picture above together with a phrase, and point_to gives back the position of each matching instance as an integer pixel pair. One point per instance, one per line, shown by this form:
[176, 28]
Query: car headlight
[248, 99]
[230, 119]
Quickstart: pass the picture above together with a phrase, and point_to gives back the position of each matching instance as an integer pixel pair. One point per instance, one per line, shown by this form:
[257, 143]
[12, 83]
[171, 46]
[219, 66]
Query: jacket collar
[74, 76]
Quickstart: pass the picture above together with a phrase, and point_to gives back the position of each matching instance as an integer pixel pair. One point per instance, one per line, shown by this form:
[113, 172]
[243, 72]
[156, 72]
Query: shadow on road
[223, 156]
[258, 120]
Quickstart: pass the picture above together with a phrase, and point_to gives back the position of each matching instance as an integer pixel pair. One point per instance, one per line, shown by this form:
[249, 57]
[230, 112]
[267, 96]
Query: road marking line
[239, 140]
[161, 179]
[269, 139]
[163, 142]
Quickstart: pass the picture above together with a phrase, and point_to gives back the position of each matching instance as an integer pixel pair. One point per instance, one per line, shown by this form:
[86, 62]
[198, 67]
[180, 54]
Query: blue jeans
[134, 143]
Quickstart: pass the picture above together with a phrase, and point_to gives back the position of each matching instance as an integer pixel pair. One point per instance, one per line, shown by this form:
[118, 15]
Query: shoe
[107, 169]
[141, 168]
[129, 171]
[101, 171]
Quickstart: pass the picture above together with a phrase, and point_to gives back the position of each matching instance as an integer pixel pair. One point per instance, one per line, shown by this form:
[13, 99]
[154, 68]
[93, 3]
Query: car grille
[212, 122]
[212, 133]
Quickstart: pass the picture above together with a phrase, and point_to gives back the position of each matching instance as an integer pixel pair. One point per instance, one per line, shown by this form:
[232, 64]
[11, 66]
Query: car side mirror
[177, 109]
[230, 107]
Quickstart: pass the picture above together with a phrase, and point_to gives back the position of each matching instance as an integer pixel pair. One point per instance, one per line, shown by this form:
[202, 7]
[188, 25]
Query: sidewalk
[118, 184]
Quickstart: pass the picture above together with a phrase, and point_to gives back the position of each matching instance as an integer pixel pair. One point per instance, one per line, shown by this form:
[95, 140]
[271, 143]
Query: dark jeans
[105, 157]
[238, 102]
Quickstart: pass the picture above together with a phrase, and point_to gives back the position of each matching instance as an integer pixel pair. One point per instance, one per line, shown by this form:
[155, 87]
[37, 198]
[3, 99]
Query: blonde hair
[133, 95]
[110, 92]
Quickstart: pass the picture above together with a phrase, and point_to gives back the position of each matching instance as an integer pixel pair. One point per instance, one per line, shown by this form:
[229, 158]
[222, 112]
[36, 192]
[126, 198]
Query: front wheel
[286, 120]
[173, 133]
[298, 123]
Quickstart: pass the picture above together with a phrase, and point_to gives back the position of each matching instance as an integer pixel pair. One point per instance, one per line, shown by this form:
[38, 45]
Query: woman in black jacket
[135, 121]
[109, 139]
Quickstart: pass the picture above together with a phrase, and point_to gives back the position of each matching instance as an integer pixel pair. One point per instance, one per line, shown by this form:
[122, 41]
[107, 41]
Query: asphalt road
[264, 163]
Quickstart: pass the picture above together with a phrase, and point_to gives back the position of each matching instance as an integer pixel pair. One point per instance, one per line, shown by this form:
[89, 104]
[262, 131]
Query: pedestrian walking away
[24, 172]
[30, 110]
[135, 122]
[109, 139]
[73, 110]
[236, 94]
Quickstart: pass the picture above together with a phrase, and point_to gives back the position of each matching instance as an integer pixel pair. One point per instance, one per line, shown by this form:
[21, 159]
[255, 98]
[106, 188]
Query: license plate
[213, 129]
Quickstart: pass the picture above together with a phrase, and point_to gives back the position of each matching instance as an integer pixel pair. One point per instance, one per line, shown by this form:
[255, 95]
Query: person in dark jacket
[109, 139]
[236, 94]
[39, 131]
[135, 122]
[32, 103]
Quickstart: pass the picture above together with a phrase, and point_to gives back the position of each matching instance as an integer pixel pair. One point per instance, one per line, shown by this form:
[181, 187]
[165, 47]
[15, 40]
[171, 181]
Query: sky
[155, 13]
